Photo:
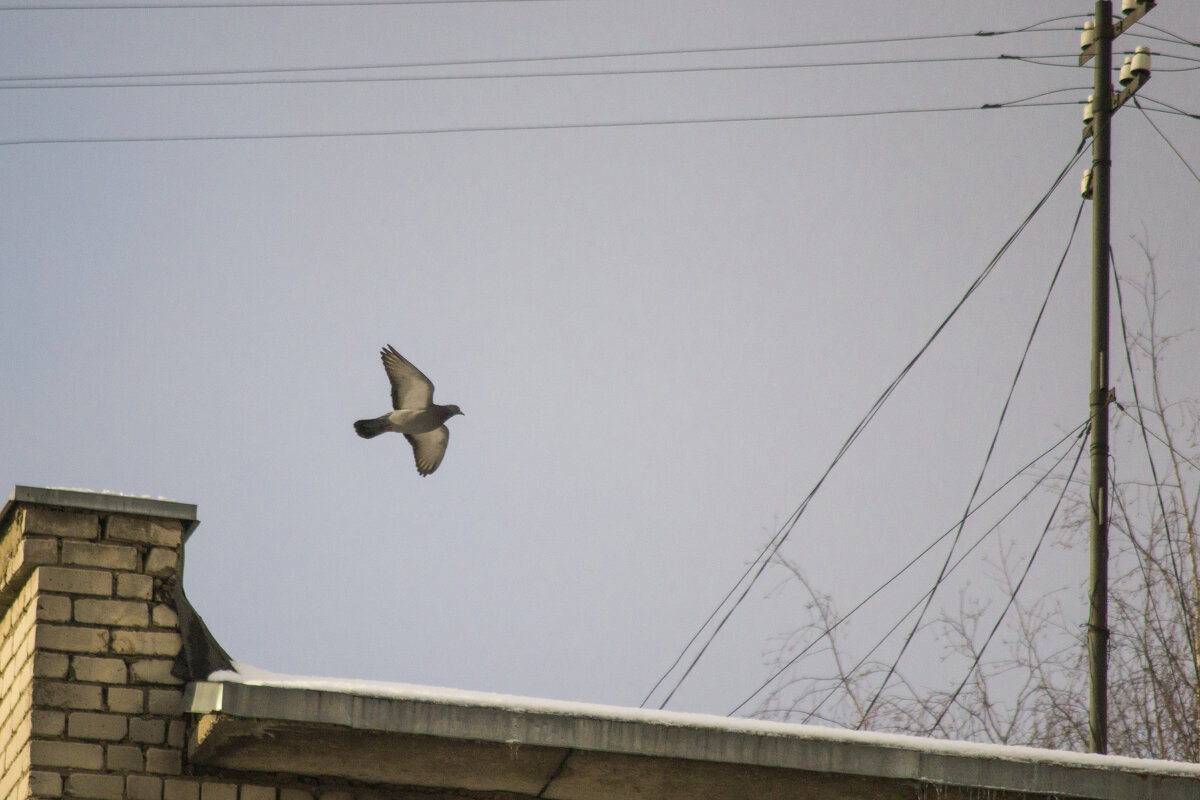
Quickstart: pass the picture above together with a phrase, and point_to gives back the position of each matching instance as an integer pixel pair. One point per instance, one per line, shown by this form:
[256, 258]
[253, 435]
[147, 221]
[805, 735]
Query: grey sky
[660, 334]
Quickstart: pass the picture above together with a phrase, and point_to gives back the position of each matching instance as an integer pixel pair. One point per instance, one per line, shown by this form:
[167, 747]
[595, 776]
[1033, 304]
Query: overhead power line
[1167, 108]
[1163, 136]
[568, 56]
[1079, 431]
[1141, 423]
[1072, 61]
[913, 561]
[752, 573]
[1012, 597]
[1174, 36]
[982, 470]
[552, 126]
[128, 80]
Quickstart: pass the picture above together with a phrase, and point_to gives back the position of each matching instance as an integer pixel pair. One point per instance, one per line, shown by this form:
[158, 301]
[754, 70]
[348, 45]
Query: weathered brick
[23, 652]
[38, 550]
[72, 639]
[131, 584]
[148, 731]
[98, 670]
[145, 643]
[54, 608]
[44, 753]
[96, 787]
[218, 791]
[45, 784]
[165, 617]
[144, 531]
[257, 793]
[176, 732]
[125, 701]
[91, 554]
[164, 762]
[51, 665]
[294, 794]
[153, 671]
[143, 787]
[51, 522]
[161, 562]
[109, 727]
[124, 613]
[75, 581]
[47, 723]
[9, 779]
[164, 701]
[124, 758]
[175, 789]
[67, 695]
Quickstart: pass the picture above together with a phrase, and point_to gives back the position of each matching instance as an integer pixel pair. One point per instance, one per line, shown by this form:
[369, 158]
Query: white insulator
[1089, 110]
[1088, 36]
[1141, 62]
[1129, 6]
[1085, 188]
[1126, 71]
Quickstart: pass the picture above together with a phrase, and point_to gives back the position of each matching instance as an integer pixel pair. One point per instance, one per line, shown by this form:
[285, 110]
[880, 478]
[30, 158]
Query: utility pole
[1102, 106]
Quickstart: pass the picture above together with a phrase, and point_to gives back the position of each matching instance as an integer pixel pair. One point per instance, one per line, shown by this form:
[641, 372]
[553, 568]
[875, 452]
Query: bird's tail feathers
[370, 428]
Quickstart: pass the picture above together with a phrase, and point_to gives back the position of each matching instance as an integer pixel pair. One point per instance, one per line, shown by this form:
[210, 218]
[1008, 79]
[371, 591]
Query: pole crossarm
[1118, 28]
[1119, 100]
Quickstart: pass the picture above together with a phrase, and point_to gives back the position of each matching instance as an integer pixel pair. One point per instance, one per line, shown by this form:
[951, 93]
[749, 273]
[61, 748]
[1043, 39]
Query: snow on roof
[247, 675]
[111, 493]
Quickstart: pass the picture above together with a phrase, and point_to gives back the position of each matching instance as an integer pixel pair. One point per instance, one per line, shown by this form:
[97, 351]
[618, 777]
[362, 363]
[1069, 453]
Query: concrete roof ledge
[104, 502]
[647, 748]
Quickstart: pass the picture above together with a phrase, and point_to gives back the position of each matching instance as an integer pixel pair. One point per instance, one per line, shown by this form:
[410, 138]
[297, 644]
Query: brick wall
[91, 708]
[90, 641]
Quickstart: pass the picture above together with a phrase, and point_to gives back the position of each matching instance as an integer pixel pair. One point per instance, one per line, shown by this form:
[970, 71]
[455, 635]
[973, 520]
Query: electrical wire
[1012, 597]
[912, 562]
[1141, 423]
[497, 62]
[1158, 56]
[1163, 136]
[1079, 431]
[982, 470]
[1071, 61]
[767, 553]
[1171, 109]
[1175, 37]
[135, 81]
[1182, 456]
[552, 126]
[1153, 38]
[298, 4]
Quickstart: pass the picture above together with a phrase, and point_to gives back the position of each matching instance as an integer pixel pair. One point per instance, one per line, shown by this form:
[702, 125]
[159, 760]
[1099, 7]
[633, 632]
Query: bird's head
[452, 411]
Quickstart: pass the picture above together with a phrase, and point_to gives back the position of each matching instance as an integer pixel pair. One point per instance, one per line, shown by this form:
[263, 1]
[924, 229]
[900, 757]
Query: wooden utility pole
[1103, 106]
[1098, 398]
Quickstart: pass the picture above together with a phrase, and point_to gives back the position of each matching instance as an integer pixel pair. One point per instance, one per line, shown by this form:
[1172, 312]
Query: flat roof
[418, 735]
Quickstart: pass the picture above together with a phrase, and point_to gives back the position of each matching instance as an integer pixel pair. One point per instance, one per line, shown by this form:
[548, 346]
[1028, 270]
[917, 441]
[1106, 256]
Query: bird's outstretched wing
[429, 448]
[410, 387]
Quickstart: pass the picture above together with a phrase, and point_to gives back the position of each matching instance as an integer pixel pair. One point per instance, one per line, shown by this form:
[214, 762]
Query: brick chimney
[92, 648]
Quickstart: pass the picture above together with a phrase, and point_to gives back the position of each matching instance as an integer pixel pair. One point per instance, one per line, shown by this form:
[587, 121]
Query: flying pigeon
[416, 415]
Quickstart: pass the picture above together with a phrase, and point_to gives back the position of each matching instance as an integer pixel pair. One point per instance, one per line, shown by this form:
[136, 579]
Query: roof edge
[107, 502]
[477, 716]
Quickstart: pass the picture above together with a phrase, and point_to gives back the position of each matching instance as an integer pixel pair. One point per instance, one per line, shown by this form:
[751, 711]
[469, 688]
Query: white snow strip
[110, 493]
[253, 676]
